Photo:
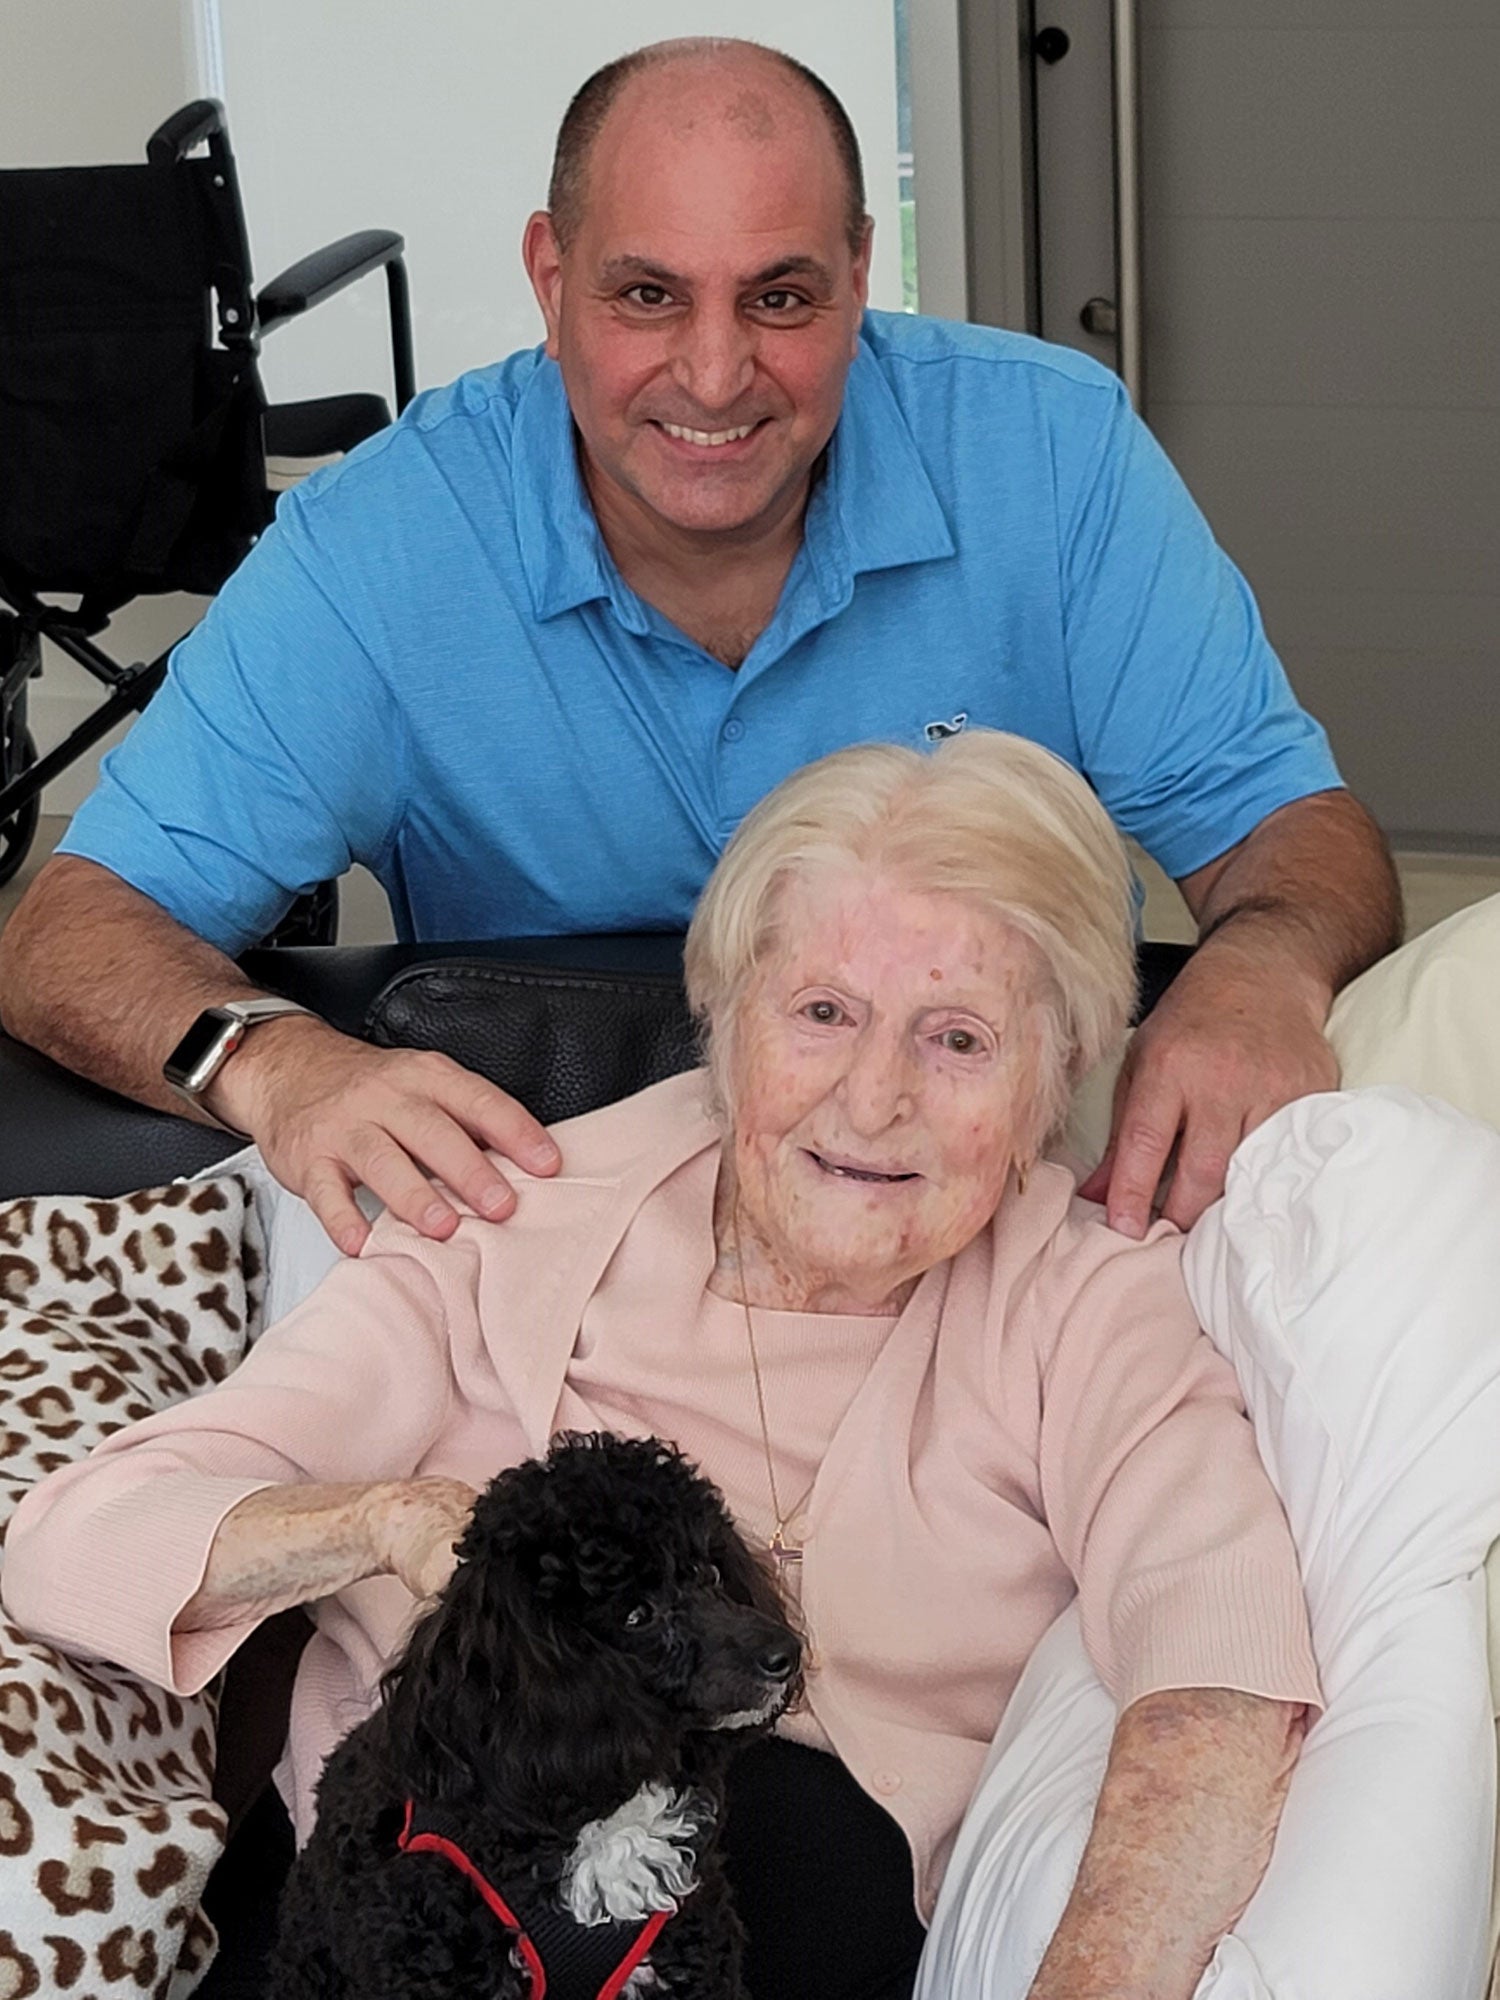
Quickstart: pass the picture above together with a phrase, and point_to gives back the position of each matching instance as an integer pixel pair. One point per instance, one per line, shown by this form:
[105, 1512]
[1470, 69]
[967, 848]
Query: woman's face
[882, 1077]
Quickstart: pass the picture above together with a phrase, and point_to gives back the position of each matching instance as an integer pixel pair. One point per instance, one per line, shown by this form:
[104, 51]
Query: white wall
[439, 121]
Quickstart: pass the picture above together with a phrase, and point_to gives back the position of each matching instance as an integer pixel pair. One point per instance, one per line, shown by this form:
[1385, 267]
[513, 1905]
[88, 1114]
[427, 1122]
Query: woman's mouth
[850, 1170]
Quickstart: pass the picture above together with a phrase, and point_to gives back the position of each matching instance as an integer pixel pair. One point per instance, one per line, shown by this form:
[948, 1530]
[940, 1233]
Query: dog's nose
[779, 1661]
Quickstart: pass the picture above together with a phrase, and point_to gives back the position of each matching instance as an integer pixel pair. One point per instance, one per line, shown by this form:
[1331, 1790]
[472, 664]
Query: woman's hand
[330, 1113]
[1182, 1834]
[415, 1525]
[289, 1545]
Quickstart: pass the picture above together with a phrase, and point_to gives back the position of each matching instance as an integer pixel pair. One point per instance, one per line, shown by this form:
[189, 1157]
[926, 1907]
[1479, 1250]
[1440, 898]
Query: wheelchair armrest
[321, 273]
[60, 1135]
[174, 139]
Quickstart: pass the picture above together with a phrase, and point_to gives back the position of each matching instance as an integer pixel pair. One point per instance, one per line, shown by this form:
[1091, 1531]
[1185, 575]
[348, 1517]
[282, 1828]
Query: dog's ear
[460, 1673]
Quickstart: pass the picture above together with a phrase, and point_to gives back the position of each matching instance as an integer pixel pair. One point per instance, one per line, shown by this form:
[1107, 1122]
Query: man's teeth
[707, 437]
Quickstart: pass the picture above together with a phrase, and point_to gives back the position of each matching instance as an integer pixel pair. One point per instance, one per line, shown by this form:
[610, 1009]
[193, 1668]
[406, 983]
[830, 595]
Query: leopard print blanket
[109, 1310]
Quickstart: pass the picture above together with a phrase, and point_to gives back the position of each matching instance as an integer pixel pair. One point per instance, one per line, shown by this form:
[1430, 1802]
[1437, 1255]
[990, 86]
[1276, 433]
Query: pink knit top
[1044, 1418]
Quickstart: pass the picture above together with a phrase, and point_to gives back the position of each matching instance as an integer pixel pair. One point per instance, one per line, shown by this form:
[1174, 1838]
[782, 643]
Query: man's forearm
[101, 979]
[1181, 1837]
[1313, 886]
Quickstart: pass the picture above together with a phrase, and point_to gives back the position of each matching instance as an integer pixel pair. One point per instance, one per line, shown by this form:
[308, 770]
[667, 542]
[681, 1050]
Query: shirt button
[886, 1782]
[733, 730]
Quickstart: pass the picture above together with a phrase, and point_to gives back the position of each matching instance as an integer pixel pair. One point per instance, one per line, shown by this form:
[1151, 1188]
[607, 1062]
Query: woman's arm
[1181, 1837]
[287, 1545]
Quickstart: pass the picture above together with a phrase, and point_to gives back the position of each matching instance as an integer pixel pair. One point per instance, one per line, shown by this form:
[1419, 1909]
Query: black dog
[533, 1809]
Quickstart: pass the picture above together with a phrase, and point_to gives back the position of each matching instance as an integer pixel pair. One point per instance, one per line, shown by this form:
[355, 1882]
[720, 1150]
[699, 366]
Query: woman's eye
[824, 1012]
[961, 1042]
[639, 1615]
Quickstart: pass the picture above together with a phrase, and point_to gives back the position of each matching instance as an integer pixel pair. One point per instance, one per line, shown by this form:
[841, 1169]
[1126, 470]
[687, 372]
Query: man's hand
[329, 1113]
[1287, 917]
[1238, 1034]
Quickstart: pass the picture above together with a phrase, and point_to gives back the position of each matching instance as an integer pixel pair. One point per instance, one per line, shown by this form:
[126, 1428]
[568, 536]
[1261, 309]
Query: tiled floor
[1435, 886]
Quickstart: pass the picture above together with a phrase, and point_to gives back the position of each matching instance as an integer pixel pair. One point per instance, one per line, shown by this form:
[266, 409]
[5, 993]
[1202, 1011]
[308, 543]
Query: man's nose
[877, 1084]
[714, 361]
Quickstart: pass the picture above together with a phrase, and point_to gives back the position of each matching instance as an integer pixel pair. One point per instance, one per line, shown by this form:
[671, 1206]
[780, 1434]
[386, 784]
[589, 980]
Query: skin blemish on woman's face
[936, 972]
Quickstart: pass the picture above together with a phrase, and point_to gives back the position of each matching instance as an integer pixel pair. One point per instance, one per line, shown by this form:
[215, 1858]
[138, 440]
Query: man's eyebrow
[637, 270]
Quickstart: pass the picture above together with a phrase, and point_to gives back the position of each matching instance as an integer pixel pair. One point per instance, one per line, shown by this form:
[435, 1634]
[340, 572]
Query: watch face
[201, 1049]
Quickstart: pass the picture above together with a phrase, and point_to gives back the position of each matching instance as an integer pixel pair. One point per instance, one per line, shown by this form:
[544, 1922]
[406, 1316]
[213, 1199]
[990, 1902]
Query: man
[533, 653]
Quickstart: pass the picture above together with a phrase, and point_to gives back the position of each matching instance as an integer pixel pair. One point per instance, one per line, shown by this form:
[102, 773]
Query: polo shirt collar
[874, 508]
[562, 551]
[877, 488]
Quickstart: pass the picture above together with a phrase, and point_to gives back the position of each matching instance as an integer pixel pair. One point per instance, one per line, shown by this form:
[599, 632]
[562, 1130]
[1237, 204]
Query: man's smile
[721, 442]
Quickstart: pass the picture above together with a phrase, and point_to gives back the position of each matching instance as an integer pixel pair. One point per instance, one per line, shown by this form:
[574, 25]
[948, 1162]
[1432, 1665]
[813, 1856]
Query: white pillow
[1427, 1016]
[1352, 1276]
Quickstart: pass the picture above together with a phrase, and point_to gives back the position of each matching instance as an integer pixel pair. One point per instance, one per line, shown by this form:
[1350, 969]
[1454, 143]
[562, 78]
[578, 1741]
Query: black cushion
[561, 1042]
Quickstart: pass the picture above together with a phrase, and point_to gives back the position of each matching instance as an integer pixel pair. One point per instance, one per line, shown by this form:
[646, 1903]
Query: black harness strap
[566, 1960]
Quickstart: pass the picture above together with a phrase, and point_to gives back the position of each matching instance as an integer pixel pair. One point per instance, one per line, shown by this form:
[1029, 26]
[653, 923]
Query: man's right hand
[329, 1113]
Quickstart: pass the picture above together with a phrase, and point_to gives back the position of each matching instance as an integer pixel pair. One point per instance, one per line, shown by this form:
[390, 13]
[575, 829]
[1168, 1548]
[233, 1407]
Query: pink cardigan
[1045, 1417]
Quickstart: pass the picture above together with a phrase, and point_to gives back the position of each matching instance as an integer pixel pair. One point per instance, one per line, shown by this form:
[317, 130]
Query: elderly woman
[837, 1270]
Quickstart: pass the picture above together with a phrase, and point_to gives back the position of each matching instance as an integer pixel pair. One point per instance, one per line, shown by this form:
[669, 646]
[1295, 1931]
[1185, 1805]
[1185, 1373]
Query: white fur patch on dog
[638, 1860]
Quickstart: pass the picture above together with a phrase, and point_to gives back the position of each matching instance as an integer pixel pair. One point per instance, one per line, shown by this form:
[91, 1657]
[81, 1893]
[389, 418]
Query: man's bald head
[752, 110]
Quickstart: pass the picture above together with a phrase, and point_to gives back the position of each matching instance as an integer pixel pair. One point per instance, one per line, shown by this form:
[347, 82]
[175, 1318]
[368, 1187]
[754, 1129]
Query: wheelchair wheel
[17, 832]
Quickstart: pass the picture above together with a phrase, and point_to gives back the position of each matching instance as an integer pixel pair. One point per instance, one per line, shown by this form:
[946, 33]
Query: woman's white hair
[986, 816]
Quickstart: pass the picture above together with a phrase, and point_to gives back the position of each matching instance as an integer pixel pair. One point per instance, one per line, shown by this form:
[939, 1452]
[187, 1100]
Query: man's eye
[780, 301]
[648, 295]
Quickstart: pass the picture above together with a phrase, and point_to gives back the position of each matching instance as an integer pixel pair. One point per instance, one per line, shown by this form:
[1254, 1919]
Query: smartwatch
[213, 1039]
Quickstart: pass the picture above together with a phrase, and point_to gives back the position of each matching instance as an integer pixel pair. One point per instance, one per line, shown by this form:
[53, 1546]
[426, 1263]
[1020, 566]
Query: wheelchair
[137, 451]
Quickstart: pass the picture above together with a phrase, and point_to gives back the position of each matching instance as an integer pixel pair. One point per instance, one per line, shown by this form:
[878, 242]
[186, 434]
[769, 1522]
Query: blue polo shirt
[431, 665]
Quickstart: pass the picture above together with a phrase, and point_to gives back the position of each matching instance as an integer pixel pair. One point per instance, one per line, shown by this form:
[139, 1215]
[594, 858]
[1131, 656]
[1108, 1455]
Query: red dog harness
[566, 1960]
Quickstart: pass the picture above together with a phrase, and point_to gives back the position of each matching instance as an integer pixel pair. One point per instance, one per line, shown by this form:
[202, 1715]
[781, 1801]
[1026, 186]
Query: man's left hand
[1238, 1034]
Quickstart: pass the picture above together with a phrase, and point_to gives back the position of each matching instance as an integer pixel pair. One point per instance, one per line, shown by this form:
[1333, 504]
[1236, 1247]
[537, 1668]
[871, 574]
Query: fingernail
[351, 1241]
[546, 1154]
[436, 1215]
[1128, 1225]
[497, 1201]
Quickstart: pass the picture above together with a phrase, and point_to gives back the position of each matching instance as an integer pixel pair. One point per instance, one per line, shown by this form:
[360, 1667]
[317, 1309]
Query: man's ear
[542, 256]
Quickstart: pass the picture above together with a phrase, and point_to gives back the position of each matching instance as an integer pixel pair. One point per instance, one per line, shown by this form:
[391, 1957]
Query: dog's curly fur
[605, 1643]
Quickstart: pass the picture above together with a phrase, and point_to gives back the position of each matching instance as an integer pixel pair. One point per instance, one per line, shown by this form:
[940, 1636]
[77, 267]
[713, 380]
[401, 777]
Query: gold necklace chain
[786, 1554]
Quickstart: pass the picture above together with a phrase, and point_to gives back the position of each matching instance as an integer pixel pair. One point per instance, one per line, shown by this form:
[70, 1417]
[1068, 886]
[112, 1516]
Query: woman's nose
[877, 1087]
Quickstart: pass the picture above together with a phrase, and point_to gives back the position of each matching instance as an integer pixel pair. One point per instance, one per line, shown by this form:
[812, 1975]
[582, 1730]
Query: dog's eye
[709, 1573]
[638, 1616]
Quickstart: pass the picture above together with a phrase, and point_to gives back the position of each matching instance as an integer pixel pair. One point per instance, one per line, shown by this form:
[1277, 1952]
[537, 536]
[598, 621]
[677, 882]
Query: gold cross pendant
[787, 1557]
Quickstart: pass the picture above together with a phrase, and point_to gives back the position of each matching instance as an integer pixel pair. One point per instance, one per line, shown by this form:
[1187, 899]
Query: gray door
[1320, 198]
